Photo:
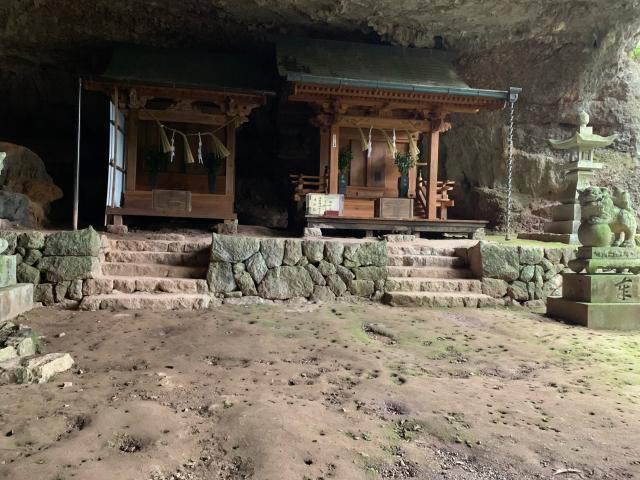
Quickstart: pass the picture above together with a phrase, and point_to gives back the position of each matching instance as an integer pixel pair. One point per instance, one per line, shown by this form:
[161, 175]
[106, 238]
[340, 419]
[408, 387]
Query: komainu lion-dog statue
[608, 219]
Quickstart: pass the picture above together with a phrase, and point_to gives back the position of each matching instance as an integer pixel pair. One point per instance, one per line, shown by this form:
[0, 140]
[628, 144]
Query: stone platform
[599, 316]
[602, 301]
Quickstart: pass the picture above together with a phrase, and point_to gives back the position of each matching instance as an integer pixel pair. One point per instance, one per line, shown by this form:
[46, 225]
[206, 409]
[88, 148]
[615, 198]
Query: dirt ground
[305, 393]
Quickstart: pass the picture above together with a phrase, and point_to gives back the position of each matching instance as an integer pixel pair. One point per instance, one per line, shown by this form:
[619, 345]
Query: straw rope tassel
[414, 151]
[395, 149]
[390, 144]
[363, 141]
[166, 146]
[188, 156]
[218, 148]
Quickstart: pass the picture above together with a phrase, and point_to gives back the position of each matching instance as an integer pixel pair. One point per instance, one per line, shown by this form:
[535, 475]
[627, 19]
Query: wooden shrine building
[366, 94]
[173, 121]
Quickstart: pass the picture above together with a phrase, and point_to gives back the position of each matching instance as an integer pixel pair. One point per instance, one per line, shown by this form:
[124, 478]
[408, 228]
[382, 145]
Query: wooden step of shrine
[421, 284]
[439, 299]
[424, 261]
[146, 301]
[134, 270]
[429, 272]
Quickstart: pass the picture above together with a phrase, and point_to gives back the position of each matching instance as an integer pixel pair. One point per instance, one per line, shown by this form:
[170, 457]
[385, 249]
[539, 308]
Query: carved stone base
[601, 288]
[599, 316]
[588, 253]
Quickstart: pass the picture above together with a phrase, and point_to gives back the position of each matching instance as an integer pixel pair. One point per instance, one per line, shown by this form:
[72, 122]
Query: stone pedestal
[14, 298]
[602, 301]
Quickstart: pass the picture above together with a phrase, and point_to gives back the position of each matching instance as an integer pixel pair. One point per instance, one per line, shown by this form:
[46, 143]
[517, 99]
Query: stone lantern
[579, 173]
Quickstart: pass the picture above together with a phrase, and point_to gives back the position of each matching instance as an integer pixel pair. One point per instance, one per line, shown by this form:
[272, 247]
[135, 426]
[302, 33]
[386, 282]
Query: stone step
[146, 301]
[123, 269]
[424, 261]
[429, 272]
[194, 259]
[417, 284]
[156, 245]
[413, 249]
[439, 299]
[114, 283]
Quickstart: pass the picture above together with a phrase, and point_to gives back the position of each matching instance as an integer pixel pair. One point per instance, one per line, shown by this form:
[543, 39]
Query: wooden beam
[434, 148]
[334, 151]
[131, 160]
[313, 92]
[353, 121]
[212, 95]
[182, 117]
[230, 186]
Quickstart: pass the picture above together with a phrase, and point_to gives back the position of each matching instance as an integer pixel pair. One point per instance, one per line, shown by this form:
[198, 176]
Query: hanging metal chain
[510, 169]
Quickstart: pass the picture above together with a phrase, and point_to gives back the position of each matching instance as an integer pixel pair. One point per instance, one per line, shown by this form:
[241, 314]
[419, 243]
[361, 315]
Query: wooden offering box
[393, 208]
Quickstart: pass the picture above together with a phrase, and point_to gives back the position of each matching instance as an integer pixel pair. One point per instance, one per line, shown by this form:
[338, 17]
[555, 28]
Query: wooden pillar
[413, 173]
[325, 146]
[131, 160]
[334, 149]
[434, 145]
[230, 177]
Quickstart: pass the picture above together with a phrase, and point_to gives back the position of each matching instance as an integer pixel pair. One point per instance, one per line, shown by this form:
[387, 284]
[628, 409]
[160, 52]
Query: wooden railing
[303, 184]
[443, 202]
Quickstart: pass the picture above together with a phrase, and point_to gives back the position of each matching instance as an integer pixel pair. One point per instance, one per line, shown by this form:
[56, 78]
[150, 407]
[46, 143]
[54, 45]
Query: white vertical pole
[76, 173]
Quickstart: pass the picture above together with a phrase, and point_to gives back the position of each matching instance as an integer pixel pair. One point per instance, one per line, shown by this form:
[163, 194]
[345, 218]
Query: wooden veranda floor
[470, 228]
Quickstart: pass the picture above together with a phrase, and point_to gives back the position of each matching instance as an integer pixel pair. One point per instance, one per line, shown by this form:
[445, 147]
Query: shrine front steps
[424, 276]
[151, 272]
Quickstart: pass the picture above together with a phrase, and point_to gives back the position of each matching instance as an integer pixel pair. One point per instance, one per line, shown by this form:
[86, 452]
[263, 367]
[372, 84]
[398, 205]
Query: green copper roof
[372, 66]
[189, 69]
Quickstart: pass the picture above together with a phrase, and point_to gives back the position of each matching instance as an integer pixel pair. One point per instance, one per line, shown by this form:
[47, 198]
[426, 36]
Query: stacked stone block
[55, 264]
[284, 269]
[519, 274]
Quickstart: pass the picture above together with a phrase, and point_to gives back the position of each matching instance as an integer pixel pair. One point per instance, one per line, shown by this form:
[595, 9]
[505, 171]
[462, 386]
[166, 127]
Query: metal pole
[76, 173]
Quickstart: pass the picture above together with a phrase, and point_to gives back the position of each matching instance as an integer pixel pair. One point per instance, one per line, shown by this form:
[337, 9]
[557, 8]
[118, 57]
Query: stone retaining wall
[57, 264]
[285, 269]
[519, 274]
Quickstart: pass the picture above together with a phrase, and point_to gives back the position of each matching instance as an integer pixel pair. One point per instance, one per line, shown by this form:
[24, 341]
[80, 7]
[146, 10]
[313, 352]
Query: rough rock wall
[558, 82]
[566, 55]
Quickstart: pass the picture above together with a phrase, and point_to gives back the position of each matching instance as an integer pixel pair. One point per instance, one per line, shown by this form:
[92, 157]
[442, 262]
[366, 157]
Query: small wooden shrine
[376, 100]
[173, 121]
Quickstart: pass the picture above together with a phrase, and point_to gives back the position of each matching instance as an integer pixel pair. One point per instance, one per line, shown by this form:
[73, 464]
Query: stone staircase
[425, 276]
[153, 272]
